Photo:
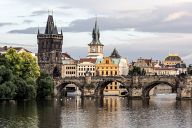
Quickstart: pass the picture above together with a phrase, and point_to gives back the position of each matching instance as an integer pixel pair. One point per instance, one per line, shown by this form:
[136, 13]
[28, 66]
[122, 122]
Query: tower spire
[50, 27]
[96, 33]
[61, 31]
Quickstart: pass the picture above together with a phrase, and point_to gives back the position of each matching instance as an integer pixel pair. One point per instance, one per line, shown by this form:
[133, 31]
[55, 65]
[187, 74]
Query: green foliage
[24, 90]
[21, 64]
[5, 74]
[7, 90]
[13, 61]
[18, 74]
[44, 85]
[136, 71]
[29, 66]
[7, 87]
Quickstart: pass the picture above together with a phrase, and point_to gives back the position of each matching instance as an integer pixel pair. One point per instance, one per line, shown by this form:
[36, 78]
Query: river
[162, 111]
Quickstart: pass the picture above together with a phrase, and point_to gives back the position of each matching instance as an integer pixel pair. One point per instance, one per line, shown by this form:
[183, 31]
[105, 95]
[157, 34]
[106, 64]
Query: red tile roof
[91, 60]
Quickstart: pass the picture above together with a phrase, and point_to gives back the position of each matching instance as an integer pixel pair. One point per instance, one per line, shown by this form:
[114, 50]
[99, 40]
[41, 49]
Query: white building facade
[84, 65]
[69, 66]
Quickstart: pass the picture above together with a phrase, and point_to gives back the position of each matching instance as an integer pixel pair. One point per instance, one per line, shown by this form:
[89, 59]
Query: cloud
[39, 12]
[188, 58]
[27, 21]
[176, 19]
[65, 7]
[32, 30]
[177, 15]
[5, 24]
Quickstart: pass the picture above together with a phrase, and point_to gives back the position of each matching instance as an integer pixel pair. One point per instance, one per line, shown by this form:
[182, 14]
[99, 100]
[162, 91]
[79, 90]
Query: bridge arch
[149, 86]
[63, 84]
[99, 89]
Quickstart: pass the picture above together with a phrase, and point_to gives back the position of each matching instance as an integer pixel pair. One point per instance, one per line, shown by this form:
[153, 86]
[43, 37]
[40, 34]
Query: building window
[111, 87]
[115, 87]
[107, 73]
[107, 87]
[107, 61]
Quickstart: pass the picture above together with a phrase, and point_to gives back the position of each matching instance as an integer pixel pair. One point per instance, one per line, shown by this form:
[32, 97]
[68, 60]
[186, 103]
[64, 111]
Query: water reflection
[97, 112]
[18, 114]
[49, 114]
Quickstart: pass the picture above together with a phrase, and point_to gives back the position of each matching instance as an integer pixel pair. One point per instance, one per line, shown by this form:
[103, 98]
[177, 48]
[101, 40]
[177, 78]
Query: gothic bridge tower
[50, 48]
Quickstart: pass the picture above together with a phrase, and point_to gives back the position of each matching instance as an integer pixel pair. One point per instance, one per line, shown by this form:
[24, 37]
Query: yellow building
[108, 67]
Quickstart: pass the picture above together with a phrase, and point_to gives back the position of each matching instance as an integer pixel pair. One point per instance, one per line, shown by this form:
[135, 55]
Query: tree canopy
[22, 64]
[136, 71]
[44, 85]
[18, 74]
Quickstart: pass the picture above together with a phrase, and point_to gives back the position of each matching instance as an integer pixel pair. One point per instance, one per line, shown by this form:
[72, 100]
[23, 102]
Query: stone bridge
[137, 86]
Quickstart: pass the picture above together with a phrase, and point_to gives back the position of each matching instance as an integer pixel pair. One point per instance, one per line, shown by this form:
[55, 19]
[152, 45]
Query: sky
[147, 28]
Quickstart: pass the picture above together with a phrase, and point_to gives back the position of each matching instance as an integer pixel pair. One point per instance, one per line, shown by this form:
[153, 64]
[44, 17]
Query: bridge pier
[135, 93]
[184, 93]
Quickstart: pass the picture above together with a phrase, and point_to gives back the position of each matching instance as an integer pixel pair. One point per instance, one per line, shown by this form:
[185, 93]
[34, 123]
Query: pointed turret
[55, 30]
[50, 25]
[96, 34]
[38, 31]
[115, 54]
[95, 47]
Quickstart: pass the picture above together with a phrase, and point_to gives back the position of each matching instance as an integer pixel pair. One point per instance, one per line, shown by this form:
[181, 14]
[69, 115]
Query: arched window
[107, 73]
[56, 72]
[102, 73]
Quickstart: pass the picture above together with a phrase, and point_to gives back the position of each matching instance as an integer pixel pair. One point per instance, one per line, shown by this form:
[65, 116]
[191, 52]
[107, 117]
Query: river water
[162, 111]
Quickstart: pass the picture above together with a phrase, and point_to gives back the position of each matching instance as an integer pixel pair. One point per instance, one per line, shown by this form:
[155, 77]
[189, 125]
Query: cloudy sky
[147, 28]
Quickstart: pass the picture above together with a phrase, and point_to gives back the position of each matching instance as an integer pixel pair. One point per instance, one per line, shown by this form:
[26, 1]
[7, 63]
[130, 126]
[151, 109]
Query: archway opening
[56, 72]
[69, 89]
[159, 90]
[111, 88]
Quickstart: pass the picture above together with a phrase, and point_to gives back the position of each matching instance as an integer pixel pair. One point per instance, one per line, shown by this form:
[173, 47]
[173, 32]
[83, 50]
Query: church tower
[50, 48]
[95, 47]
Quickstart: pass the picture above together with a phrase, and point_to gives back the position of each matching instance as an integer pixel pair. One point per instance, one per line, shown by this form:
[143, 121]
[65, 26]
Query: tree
[13, 61]
[18, 74]
[136, 71]
[22, 64]
[5, 74]
[23, 89]
[7, 87]
[45, 85]
[29, 66]
[7, 90]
